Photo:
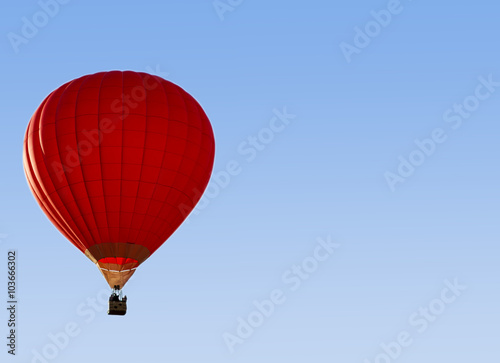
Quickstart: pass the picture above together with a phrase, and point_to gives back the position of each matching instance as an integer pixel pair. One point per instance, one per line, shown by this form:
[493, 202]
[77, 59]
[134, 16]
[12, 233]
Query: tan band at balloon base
[117, 274]
[115, 278]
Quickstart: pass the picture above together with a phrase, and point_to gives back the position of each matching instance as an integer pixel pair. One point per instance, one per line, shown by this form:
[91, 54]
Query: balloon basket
[117, 303]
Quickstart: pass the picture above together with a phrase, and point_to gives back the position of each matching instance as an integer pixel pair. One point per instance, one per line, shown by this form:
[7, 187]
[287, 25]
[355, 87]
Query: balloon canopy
[117, 161]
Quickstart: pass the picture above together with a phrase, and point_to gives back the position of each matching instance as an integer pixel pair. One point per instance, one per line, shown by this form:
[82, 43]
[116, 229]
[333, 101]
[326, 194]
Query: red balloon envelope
[117, 160]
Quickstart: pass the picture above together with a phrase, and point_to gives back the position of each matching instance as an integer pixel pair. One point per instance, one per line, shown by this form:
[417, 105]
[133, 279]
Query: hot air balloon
[117, 160]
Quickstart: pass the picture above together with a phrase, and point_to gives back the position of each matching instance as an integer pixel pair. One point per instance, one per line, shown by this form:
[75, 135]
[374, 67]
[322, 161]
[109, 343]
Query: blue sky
[430, 69]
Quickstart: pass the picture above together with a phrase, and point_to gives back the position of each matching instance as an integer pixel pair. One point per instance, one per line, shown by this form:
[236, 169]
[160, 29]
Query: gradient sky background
[322, 176]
